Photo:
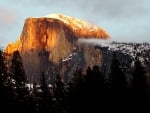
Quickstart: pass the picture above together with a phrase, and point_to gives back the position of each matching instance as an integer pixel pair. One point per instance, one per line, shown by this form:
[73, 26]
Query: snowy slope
[83, 27]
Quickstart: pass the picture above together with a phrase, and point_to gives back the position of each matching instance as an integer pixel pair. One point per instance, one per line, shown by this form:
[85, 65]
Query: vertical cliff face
[49, 35]
[44, 43]
[50, 45]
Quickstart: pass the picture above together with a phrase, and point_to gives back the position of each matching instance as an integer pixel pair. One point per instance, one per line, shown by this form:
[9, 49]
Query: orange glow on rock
[81, 28]
[47, 40]
[54, 33]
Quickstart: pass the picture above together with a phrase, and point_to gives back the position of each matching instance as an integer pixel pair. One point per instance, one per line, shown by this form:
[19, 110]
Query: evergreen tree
[75, 99]
[95, 89]
[118, 84]
[60, 94]
[88, 91]
[88, 74]
[35, 97]
[77, 77]
[45, 101]
[33, 104]
[6, 86]
[44, 86]
[3, 75]
[98, 77]
[18, 74]
[17, 69]
[59, 89]
[117, 77]
[3, 70]
[139, 83]
[19, 77]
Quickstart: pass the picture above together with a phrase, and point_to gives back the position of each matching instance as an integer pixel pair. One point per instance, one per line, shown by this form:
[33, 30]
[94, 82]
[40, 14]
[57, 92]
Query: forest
[91, 92]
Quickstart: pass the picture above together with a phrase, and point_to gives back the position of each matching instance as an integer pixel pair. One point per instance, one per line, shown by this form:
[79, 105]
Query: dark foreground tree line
[91, 92]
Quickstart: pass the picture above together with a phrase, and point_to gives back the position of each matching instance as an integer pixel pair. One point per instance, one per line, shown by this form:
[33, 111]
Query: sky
[124, 20]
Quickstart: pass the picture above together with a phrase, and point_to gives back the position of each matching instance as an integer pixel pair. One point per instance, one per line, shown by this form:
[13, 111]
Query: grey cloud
[115, 8]
[118, 16]
[107, 8]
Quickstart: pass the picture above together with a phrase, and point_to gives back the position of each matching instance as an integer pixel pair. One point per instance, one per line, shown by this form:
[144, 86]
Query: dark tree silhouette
[60, 93]
[95, 89]
[118, 84]
[17, 69]
[118, 79]
[75, 100]
[59, 89]
[84, 93]
[3, 75]
[3, 70]
[87, 91]
[34, 99]
[139, 84]
[44, 86]
[45, 101]
[6, 86]
[77, 77]
[19, 77]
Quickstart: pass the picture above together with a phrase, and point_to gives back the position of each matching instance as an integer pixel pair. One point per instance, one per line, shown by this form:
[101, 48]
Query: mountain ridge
[82, 28]
[45, 42]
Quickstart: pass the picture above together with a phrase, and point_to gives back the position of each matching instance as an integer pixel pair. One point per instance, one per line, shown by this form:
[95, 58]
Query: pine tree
[3, 75]
[139, 83]
[60, 94]
[45, 101]
[59, 88]
[118, 79]
[118, 84]
[3, 70]
[18, 74]
[44, 86]
[17, 69]
[35, 98]
[75, 97]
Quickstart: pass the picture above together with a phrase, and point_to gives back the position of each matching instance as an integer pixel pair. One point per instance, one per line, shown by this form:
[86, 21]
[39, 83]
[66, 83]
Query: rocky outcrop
[45, 43]
[82, 29]
[47, 34]
[13, 47]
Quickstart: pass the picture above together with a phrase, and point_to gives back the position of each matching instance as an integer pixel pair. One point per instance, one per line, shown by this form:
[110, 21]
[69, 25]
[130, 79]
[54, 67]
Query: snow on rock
[81, 27]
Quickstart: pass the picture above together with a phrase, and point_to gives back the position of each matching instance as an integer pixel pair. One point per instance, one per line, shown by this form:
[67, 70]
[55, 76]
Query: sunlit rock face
[47, 34]
[13, 47]
[81, 28]
[45, 44]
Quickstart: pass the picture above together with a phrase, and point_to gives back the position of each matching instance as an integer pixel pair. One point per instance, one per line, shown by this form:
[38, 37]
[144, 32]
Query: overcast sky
[124, 20]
